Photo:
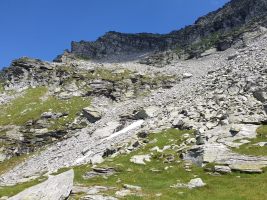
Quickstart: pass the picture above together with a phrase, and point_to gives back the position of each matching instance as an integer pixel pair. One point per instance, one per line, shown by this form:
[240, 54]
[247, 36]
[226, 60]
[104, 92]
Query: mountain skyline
[44, 29]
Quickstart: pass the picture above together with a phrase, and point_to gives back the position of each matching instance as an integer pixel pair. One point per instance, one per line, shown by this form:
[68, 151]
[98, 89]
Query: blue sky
[44, 28]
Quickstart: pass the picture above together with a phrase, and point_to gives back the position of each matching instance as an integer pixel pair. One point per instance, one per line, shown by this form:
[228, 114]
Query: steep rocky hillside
[127, 117]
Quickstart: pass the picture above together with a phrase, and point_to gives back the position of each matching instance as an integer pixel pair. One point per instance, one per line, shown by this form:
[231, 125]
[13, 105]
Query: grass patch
[1, 88]
[31, 105]
[13, 190]
[108, 75]
[235, 186]
[250, 148]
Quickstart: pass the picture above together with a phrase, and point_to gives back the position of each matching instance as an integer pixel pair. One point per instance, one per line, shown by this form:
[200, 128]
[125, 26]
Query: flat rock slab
[55, 188]
[225, 135]
[108, 130]
[98, 197]
[220, 154]
[99, 172]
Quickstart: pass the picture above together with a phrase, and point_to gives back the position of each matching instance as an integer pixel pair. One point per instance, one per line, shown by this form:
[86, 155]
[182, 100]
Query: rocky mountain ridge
[219, 29]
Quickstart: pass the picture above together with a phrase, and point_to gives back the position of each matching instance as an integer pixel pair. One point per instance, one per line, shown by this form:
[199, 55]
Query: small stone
[187, 75]
[222, 169]
[261, 144]
[195, 183]
[123, 193]
[235, 129]
[140, 159]
[132, 187]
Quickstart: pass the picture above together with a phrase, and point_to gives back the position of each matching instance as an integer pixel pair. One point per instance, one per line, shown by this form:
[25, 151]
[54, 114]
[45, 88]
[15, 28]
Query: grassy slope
[236, 186]
[31, 106]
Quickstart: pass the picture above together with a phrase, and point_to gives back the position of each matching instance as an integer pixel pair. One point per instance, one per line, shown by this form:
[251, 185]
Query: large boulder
[92, 114]
[56, 188]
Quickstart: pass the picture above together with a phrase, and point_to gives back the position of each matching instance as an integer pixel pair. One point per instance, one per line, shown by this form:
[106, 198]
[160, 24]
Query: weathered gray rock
[193, 183]
[92, 114]
[220, 154]
[222, 169]
[140, 159]
[89, 190]
[56, 188]
[99, 172]
[124, 193]
[97, 197]
[132, 187]
[196, 183]
[261, 144]
[187, 75]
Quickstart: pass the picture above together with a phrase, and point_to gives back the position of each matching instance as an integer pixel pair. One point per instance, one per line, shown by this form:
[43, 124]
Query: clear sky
[44, 28]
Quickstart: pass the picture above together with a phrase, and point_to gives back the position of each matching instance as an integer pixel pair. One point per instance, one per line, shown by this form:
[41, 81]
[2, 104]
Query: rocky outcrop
[219, 29]
[56, 188]
[114, 43]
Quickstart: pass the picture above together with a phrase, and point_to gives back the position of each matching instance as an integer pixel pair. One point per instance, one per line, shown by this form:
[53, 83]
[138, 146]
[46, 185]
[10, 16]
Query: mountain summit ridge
[235, 16]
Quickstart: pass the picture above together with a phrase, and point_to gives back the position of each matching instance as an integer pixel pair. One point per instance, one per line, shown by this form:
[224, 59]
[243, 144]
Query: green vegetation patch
[1, 88]
[108, 75]
[34, 102]
[157, 176]
[251, 148]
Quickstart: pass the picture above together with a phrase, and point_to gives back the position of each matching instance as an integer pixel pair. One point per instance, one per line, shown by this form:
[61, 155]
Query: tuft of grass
[1, 88]
[250, 148]
[109, 75]
[31, 105]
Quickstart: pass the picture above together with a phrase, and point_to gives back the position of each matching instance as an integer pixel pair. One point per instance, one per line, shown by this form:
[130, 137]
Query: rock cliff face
[116, 43]
[219, 29]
